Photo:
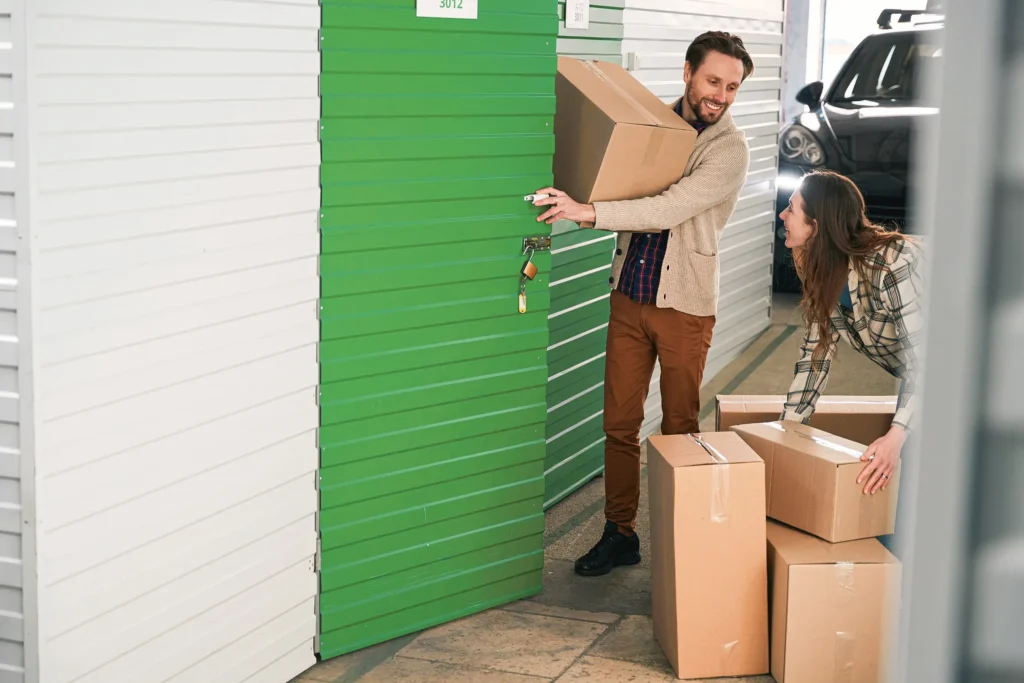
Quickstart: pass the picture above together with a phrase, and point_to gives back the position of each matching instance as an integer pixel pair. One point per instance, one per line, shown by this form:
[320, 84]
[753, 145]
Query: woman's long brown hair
[844, 237]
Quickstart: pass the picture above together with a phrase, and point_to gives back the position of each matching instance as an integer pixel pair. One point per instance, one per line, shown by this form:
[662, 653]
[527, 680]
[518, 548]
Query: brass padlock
[529, 269]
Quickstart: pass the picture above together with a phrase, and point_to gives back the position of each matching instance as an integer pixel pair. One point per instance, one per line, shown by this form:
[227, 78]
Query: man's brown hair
[719, 41]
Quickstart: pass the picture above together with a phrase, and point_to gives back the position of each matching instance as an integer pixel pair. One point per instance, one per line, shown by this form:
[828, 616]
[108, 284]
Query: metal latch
[539, 243]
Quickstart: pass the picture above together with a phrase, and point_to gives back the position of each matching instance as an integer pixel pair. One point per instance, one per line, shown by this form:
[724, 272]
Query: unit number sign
[447, 9]
[577, 14]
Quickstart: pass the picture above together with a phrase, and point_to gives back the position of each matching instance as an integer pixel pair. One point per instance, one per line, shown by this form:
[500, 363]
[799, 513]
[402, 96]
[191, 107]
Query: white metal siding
[12, 578]
[601, 40]
[175, 182]
[656, 34]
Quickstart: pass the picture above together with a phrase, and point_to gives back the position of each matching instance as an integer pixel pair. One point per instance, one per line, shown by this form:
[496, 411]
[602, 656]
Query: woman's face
[798, 229]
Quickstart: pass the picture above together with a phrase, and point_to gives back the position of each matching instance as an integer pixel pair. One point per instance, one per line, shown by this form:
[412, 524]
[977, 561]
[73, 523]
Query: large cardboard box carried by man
[614, 138]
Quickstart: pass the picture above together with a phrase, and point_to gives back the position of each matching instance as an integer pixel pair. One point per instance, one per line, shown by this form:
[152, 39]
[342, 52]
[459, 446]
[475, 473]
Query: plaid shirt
[885, 324]
[641, 269]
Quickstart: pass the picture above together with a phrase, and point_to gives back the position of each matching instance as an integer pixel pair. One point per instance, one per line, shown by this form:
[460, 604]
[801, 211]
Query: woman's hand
[564, 207]
[882, 457]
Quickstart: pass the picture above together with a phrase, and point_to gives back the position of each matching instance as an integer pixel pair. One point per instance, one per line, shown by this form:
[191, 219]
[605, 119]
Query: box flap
[805, 439]
[743, 403]
[796, 547]
[618, 94]
[751, 404]
[884, 405]
[691, 450]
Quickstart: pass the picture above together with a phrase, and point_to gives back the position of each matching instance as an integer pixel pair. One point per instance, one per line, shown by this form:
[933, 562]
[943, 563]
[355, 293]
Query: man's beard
[695, 106]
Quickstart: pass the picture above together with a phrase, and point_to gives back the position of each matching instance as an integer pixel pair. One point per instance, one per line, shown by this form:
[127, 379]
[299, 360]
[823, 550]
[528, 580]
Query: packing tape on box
[629, 98]
[719, 481]
[842, 670]
[727, 651]
[846, 641]
[831, 445]
[844, 575]
[654, 146]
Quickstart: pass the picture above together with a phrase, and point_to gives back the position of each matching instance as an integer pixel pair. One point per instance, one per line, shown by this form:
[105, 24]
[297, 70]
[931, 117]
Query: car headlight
[800, 146]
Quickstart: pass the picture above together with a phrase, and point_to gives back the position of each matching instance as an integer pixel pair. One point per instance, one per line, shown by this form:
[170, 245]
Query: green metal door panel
[579, 302]
[578, 323]
[443, 601]
[577, 465]
[433, 395]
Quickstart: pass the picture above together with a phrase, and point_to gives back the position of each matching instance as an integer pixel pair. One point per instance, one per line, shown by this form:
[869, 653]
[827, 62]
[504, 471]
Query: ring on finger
[885, 475]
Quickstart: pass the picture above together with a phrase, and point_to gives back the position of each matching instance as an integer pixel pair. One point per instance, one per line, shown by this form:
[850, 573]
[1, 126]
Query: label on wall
[447, 9]
[577, 13]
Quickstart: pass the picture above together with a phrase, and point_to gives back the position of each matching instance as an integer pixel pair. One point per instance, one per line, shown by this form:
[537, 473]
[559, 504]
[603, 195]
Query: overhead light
[788, 182]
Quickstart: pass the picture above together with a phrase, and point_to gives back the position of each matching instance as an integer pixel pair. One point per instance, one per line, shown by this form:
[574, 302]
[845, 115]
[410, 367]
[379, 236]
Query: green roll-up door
[581, 263]
[433, 385]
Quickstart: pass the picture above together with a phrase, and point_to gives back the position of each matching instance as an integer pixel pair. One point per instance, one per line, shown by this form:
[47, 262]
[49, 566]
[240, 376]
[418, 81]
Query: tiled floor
[525, 642]
[596, 630]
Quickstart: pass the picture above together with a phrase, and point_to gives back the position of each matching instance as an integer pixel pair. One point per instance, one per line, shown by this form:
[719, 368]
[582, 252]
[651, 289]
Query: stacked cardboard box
[832, 608]
[826, 586]
[811, 482]
[708, 563]
[833, 587]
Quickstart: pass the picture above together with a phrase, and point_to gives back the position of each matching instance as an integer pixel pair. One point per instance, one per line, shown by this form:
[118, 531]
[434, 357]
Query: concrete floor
[596, 629]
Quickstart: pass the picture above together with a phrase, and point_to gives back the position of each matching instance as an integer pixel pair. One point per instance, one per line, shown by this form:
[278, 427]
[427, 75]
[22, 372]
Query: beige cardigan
[695, 210]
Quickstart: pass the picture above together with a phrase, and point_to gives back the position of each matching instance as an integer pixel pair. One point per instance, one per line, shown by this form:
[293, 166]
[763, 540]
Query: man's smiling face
[712, 88]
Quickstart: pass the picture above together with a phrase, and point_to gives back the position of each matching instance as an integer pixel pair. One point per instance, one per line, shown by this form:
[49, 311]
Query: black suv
[864, 125]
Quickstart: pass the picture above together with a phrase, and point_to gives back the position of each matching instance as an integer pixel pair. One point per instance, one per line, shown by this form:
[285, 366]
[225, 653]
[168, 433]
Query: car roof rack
[885, 18]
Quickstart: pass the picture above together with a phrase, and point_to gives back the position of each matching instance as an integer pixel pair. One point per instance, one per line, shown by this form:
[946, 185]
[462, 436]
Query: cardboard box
[857, 418]
[708, 565]
[811, 482]
[833, 607]
[614, 138]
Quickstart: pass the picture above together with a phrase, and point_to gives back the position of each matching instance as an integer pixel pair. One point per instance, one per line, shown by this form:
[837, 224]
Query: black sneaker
[615, 549]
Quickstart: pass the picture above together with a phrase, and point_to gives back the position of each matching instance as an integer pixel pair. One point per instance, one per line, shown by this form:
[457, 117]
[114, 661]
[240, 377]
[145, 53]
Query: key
[526, 274]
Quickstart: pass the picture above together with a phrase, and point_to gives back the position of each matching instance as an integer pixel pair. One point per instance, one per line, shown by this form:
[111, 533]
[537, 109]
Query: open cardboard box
[858, 418]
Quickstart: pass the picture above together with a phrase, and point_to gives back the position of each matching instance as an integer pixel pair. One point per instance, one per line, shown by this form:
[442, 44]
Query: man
[665, 284]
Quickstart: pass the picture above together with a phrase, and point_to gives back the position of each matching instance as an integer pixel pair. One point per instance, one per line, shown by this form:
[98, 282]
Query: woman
[861, 283]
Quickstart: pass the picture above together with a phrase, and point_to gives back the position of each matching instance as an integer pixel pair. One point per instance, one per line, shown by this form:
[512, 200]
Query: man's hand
[563, 207]
[881, 457]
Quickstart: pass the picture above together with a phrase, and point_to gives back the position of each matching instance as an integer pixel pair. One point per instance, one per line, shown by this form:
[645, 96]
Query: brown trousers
[637, 335]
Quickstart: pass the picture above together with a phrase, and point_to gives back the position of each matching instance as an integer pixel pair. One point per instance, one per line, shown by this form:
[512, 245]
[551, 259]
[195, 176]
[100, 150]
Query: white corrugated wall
[16, 576]
[656, 34]
[174, 168]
